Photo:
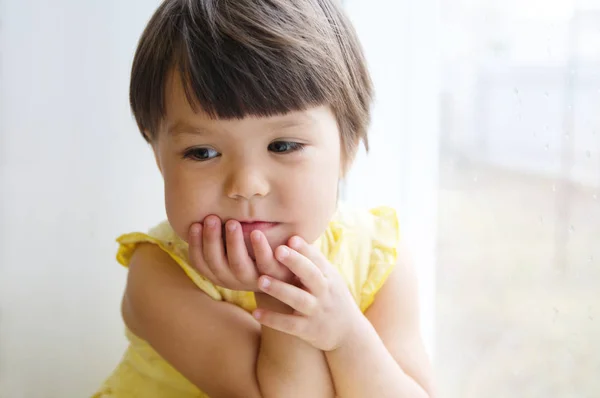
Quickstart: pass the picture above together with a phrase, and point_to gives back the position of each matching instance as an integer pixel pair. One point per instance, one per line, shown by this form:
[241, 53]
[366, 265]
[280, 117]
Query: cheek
[187, 200]
[311, 197]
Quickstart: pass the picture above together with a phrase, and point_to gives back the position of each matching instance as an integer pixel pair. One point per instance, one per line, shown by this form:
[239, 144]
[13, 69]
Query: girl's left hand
[325, 311]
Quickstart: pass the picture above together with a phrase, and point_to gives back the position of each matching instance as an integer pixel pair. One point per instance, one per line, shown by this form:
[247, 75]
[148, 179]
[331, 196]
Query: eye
[200, 154]
[285, 147]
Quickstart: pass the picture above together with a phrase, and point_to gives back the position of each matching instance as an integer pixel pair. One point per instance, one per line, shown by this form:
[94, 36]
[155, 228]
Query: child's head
[254, 109]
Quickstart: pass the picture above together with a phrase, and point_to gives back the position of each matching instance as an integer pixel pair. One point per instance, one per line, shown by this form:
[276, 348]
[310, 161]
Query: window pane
[518, 274]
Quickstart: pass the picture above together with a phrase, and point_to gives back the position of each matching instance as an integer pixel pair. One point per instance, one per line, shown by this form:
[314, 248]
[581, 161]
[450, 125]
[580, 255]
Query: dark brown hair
[253, 57]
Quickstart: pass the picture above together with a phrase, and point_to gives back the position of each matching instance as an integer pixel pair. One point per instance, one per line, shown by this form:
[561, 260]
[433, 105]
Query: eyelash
[192, 153]
[293, 147]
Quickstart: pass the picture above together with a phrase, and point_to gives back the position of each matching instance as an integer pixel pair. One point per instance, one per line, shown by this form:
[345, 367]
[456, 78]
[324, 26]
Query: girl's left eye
[285, 146]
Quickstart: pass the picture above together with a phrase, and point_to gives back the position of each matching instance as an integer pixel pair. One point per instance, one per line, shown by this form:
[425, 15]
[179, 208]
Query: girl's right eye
[200, 154]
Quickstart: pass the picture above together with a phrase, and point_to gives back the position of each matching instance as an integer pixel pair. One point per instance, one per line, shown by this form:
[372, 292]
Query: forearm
[287, 366]
[363, 367]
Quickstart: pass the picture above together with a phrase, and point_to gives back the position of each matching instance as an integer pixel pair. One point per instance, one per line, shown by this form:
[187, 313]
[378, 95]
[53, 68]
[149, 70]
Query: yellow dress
[362, 246]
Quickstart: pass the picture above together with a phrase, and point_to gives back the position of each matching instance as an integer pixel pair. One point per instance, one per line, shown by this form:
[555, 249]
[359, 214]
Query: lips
[248, 227]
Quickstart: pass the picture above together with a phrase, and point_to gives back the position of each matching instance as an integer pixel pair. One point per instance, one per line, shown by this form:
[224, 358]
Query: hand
[226, 262]
[266, 263]
[325, 313]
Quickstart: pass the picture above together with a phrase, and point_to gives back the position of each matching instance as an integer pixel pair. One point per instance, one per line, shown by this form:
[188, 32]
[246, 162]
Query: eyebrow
[290, 121]
[181, 127]
[283, 123]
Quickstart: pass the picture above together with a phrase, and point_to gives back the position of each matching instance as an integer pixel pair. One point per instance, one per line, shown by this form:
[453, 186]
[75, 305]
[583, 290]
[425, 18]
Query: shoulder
[376, 226]
[165, 243]
[366, 249]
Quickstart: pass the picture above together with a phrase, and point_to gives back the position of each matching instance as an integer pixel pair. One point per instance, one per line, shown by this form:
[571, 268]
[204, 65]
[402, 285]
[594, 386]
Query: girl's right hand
[228, 264]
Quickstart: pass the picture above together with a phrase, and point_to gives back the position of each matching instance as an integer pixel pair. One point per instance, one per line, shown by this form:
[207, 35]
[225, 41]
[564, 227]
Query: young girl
[260, 284]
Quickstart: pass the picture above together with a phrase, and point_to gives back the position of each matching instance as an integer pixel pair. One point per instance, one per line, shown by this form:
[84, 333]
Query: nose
[246, 182]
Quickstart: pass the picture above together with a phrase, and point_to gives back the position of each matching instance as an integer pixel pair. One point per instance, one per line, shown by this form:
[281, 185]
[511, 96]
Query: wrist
[359, 328]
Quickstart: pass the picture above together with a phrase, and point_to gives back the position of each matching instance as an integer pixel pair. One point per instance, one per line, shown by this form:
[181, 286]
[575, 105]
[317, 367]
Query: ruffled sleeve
[164, 237]
[384, 239]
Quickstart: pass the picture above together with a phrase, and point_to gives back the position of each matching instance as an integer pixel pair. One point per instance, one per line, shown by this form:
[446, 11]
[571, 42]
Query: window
[493, 148]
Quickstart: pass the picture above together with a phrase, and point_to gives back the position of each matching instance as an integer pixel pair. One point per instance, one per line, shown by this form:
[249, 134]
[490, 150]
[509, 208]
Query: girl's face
[278, 174]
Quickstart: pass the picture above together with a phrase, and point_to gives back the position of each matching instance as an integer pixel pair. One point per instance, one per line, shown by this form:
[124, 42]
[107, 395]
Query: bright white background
[74, 173]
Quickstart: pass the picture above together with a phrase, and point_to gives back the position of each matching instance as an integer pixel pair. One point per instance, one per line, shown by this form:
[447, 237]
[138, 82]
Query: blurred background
[518, 250]
[485, 135]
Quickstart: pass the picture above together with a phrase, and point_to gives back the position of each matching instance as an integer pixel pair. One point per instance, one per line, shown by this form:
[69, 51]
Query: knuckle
[236, 266]
[291, 325]
[265, 268]
[196, 258]
[301, 302]
[323, 282]
[216, 269]
[235, 261]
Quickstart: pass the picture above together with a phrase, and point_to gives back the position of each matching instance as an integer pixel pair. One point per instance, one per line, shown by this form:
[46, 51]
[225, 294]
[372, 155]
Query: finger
[310, 252]
[293, 296]
[195, 253]
[265, 261]
[240, 263]
[294, 325]
[310, 275]
[213, 250]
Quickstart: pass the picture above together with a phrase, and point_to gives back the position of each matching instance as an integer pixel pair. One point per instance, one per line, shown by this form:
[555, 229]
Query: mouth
[249, 226]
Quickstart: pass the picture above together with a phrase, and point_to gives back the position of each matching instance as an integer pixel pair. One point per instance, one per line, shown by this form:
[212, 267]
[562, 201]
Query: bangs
[228, 80]
[239, 58]
[231, 67]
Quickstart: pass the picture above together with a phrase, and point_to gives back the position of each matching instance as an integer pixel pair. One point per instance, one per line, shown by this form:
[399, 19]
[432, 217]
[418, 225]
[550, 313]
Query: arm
[385, 356]
[162, 306]
[287, 365]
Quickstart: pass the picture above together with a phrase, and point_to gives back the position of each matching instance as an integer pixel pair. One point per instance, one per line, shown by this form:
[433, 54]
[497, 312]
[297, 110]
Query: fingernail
[210, 222]
[195, 231]
[265, 283]
[231, 226]
[255, 235]
[295, 242]
[257, 314]
[283, 252]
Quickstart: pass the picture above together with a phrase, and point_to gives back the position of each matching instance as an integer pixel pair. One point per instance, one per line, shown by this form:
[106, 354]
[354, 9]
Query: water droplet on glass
[546, 128]
[595, 196]
[588, 154]
[546, 94]
[567, 136]
[546, 147]
[516, 90]
[569, 107]
[541, 220]
[590, 259]
[571, 229]
[535, 134]
[475, 178]
[553, 187]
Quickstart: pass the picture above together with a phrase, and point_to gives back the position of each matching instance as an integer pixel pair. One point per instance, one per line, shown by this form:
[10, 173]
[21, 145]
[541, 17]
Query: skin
[307, 327]
[229, 168]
